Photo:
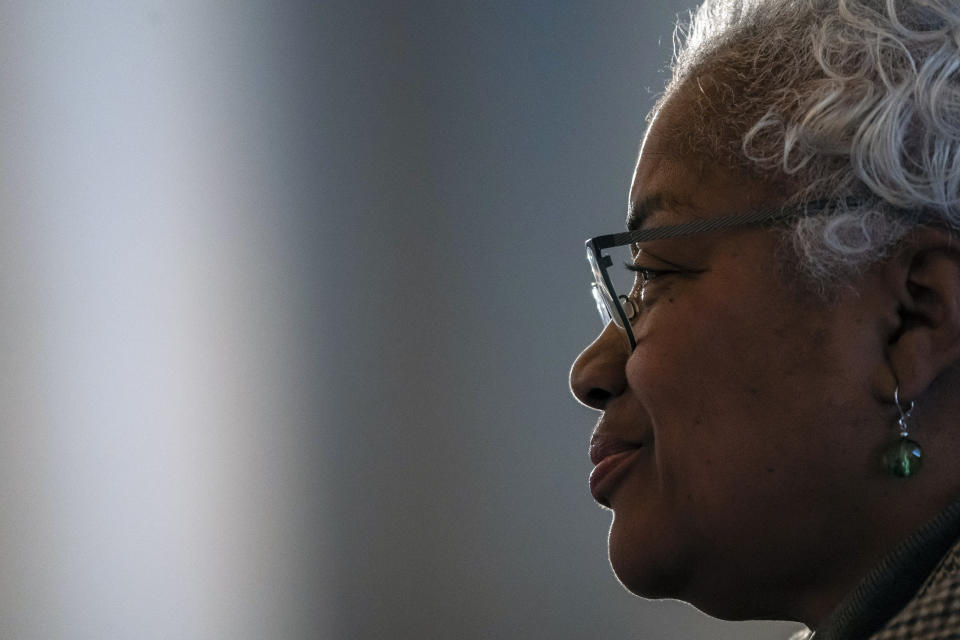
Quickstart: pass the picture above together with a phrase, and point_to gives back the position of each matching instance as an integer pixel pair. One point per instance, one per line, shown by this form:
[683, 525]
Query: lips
[601, 448]
[612, 459]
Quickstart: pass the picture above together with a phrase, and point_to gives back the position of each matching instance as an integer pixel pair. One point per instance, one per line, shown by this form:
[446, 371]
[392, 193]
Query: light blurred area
[289, 295]
[152, 465]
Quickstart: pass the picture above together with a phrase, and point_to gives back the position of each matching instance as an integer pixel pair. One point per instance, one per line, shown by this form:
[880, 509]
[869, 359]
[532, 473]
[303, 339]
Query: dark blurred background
[290, 291]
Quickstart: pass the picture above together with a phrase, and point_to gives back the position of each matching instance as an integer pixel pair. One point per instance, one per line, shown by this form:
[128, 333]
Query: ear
[925, 276]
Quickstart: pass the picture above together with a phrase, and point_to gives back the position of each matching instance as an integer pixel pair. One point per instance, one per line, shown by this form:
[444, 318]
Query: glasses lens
[619, 281]
[604, 306]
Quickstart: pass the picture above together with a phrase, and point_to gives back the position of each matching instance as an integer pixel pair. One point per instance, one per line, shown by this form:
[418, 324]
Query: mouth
[612, 460]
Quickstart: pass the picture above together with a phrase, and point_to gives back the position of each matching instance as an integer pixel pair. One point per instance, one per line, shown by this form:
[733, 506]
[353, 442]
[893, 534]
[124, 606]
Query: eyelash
[647, 274]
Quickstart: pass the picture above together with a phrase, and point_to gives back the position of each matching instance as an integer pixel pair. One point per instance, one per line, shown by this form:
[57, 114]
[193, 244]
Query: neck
[889, 586]
[859, 540]
[893, 533]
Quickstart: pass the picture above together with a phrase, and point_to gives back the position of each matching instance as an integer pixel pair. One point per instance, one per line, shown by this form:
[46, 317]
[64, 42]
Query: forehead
[676, 177]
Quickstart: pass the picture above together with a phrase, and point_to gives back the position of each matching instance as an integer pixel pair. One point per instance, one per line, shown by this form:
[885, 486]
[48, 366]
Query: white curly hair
[845, 100]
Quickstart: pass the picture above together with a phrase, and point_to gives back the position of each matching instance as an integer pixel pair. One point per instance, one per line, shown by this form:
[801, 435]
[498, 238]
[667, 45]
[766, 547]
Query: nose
[599, 373]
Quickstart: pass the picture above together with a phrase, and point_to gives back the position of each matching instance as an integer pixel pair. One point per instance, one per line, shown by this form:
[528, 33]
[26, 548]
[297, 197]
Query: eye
[646, 275]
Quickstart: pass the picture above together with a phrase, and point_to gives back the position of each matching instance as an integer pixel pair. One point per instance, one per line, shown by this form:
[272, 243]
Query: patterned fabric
[934, 613]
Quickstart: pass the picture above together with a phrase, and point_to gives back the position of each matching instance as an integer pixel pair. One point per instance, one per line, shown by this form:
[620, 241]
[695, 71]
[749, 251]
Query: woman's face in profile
[742, 414]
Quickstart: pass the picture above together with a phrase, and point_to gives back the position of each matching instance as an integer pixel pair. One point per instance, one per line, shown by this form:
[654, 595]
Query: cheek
[697, 342]
[716, 384]
[741, 397]
[682, 361]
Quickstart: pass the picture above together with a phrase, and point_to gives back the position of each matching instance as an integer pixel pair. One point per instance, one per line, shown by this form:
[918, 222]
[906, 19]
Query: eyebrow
[638, 212]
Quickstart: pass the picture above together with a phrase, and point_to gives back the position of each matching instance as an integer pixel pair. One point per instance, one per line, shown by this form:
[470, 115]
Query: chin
[648, 579]
[648, 566]
[654, 582]
[658, 567]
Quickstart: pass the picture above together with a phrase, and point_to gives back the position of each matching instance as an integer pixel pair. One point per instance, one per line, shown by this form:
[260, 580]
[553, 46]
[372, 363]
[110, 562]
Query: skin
[763, 411]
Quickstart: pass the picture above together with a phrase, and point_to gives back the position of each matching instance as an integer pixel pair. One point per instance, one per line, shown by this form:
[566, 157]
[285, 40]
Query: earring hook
[904, 413]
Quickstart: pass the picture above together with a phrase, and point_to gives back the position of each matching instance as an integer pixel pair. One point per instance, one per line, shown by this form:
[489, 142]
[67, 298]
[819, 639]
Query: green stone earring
[904, 457]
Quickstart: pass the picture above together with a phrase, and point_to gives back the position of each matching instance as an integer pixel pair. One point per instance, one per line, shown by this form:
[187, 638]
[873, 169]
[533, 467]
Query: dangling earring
[904, 457]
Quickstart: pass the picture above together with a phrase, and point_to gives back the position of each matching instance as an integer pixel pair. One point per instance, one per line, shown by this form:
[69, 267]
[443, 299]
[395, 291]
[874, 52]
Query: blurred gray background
[290, 291]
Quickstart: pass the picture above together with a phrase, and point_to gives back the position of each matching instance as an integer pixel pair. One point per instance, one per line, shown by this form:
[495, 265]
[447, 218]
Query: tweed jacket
[913, 594]
[934, 614]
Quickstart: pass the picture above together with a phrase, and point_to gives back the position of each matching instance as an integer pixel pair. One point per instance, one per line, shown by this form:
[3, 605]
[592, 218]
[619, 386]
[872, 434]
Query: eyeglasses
[622, 309]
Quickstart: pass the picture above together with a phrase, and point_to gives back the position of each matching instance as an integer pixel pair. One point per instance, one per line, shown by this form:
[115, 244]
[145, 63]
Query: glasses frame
[760, 217]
